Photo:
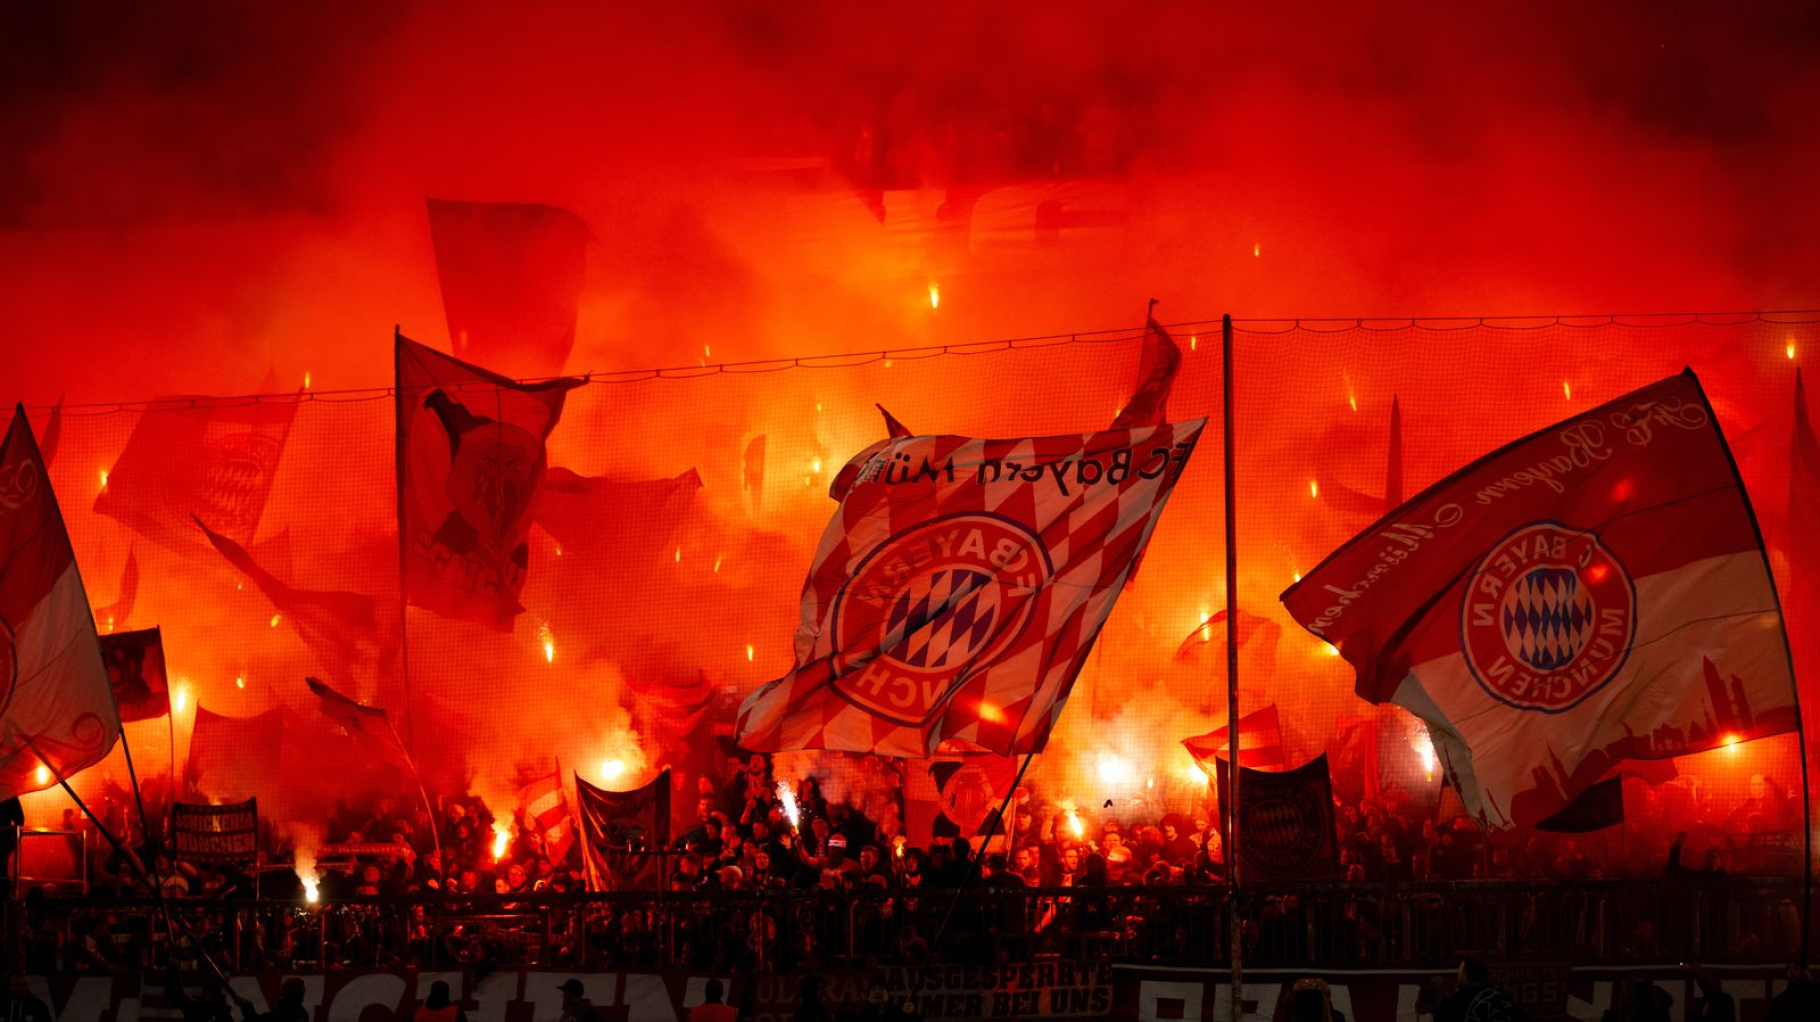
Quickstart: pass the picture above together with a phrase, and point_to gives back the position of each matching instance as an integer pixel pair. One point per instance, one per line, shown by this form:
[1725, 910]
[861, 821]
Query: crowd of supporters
[446, 889]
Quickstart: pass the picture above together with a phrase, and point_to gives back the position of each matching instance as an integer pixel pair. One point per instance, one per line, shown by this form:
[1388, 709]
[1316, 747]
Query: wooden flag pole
[1234, 741]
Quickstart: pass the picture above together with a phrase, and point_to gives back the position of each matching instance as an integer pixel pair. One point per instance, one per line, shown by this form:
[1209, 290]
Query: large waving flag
[56, 707]
[621, 831]
[1547, 609]
[511, 281]
[470, 457]
[960, 586]
[211, 460]
[341, 628]
[368, 725]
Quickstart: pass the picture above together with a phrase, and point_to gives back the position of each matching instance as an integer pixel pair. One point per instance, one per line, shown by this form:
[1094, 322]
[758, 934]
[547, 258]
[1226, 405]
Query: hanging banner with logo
[227, 833]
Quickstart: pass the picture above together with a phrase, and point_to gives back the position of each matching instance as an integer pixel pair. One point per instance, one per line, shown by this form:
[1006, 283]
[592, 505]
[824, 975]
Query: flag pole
[922, 971]
[404, 625]
[423, 793]
[1231, 812]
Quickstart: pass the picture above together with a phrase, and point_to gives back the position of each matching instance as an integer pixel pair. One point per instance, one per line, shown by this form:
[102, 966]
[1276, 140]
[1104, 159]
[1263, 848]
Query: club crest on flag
[1283, 824]
[1548, 617]
[933, 605]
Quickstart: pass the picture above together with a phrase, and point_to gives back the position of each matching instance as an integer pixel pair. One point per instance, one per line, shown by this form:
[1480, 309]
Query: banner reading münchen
[1591, 593]
[960, 586]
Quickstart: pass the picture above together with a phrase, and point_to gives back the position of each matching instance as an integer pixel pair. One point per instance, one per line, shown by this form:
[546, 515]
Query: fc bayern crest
[1548, 618]
[1283, 828]
[932, 606]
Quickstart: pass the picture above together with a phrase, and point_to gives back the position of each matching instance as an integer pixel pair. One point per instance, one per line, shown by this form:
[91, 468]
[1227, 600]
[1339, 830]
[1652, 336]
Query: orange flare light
[240, 681]
[935, 296]
[43, 774]
[612, 768]
[748, 652]
[1731, 743]
[787, 798]
[104, 478]
[1567, 390]
[1314, 489]
[502, 839]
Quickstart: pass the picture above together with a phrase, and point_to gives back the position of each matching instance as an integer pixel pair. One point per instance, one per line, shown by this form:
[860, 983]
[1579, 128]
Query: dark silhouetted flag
[135, 670]
[367, 725]
[1253, 630]
[620, 830]
[893, 428]
[1545, 609]
[511, 280]
[1260, 741]
[53, 434]
[212, 461]
[959, 587]
[341, 628]
[1350, 501]
[955, 796]
[1157, 367]
[674, 707]
[470, 457]
[117, 614]
[634, 515]
[1596, 808]
[233, 758]
[543, 808]
[56, 693]
[1285, 821]
[752, 473]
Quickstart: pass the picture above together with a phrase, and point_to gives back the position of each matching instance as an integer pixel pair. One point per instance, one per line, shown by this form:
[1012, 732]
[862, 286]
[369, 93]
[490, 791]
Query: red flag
[116, 614]
[1346, 499]
[511, 280]
[233, 758]
[581, 512]
[470, 457]
[1285, 821]
[621, 828]
[54, 694]
[1155, 377]
[53, 433]
[1260, 741]
[1252, 628]
[955, 796]
[368, 725]
[675, 707]
[209, 460]
[135, 670]
[342, 628]
[544, 808]
[1545, 609]
[893, 428]
[960, 586]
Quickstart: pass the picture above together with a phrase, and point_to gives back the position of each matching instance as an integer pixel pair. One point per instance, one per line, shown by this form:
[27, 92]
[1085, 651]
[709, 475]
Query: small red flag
[1260, 741]
[511, 281]
[135, 670]
[1157, 367]
[543, 806]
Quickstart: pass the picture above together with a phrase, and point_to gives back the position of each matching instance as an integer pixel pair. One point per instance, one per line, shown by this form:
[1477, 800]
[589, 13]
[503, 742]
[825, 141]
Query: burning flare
[303, 861]
[792, 811]
[502, 839]
[1425, 749]
[43, 774]
[549, 642]
[935, 296]
[1075, 826]
[612, 768]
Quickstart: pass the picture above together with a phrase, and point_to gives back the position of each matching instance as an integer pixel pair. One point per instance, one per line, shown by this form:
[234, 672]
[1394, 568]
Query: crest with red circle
[931, 607]
[1548, 617]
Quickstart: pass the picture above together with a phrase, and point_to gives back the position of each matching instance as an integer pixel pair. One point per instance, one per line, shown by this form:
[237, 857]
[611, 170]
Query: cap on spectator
[570, 986]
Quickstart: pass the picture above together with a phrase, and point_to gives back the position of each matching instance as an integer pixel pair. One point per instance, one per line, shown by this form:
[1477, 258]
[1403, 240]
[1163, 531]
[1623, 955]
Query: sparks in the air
[679, 555]
[1425, 750]
[786, 796]
[306, 379]
[1790, 350]
[104, 478]
[1075, 826]
[1257, 249]
[1194, 341]
[549, 642]
[716, 564]
[1567, 390]
[275, 620]
[502, 839]
[935, 296]
[240, 681]
[816, 465]
[750, 652]
[179, 699]
[1314, 488]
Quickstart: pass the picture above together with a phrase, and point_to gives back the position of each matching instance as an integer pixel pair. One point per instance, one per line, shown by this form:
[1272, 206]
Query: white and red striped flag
[543, 806]
[960, 586]
[1260, 742]
[1550, 609]
[56, 706]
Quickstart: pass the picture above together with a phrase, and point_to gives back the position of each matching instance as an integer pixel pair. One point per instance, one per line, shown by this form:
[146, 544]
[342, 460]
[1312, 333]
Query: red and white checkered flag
[960, 586]
[543, 805]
